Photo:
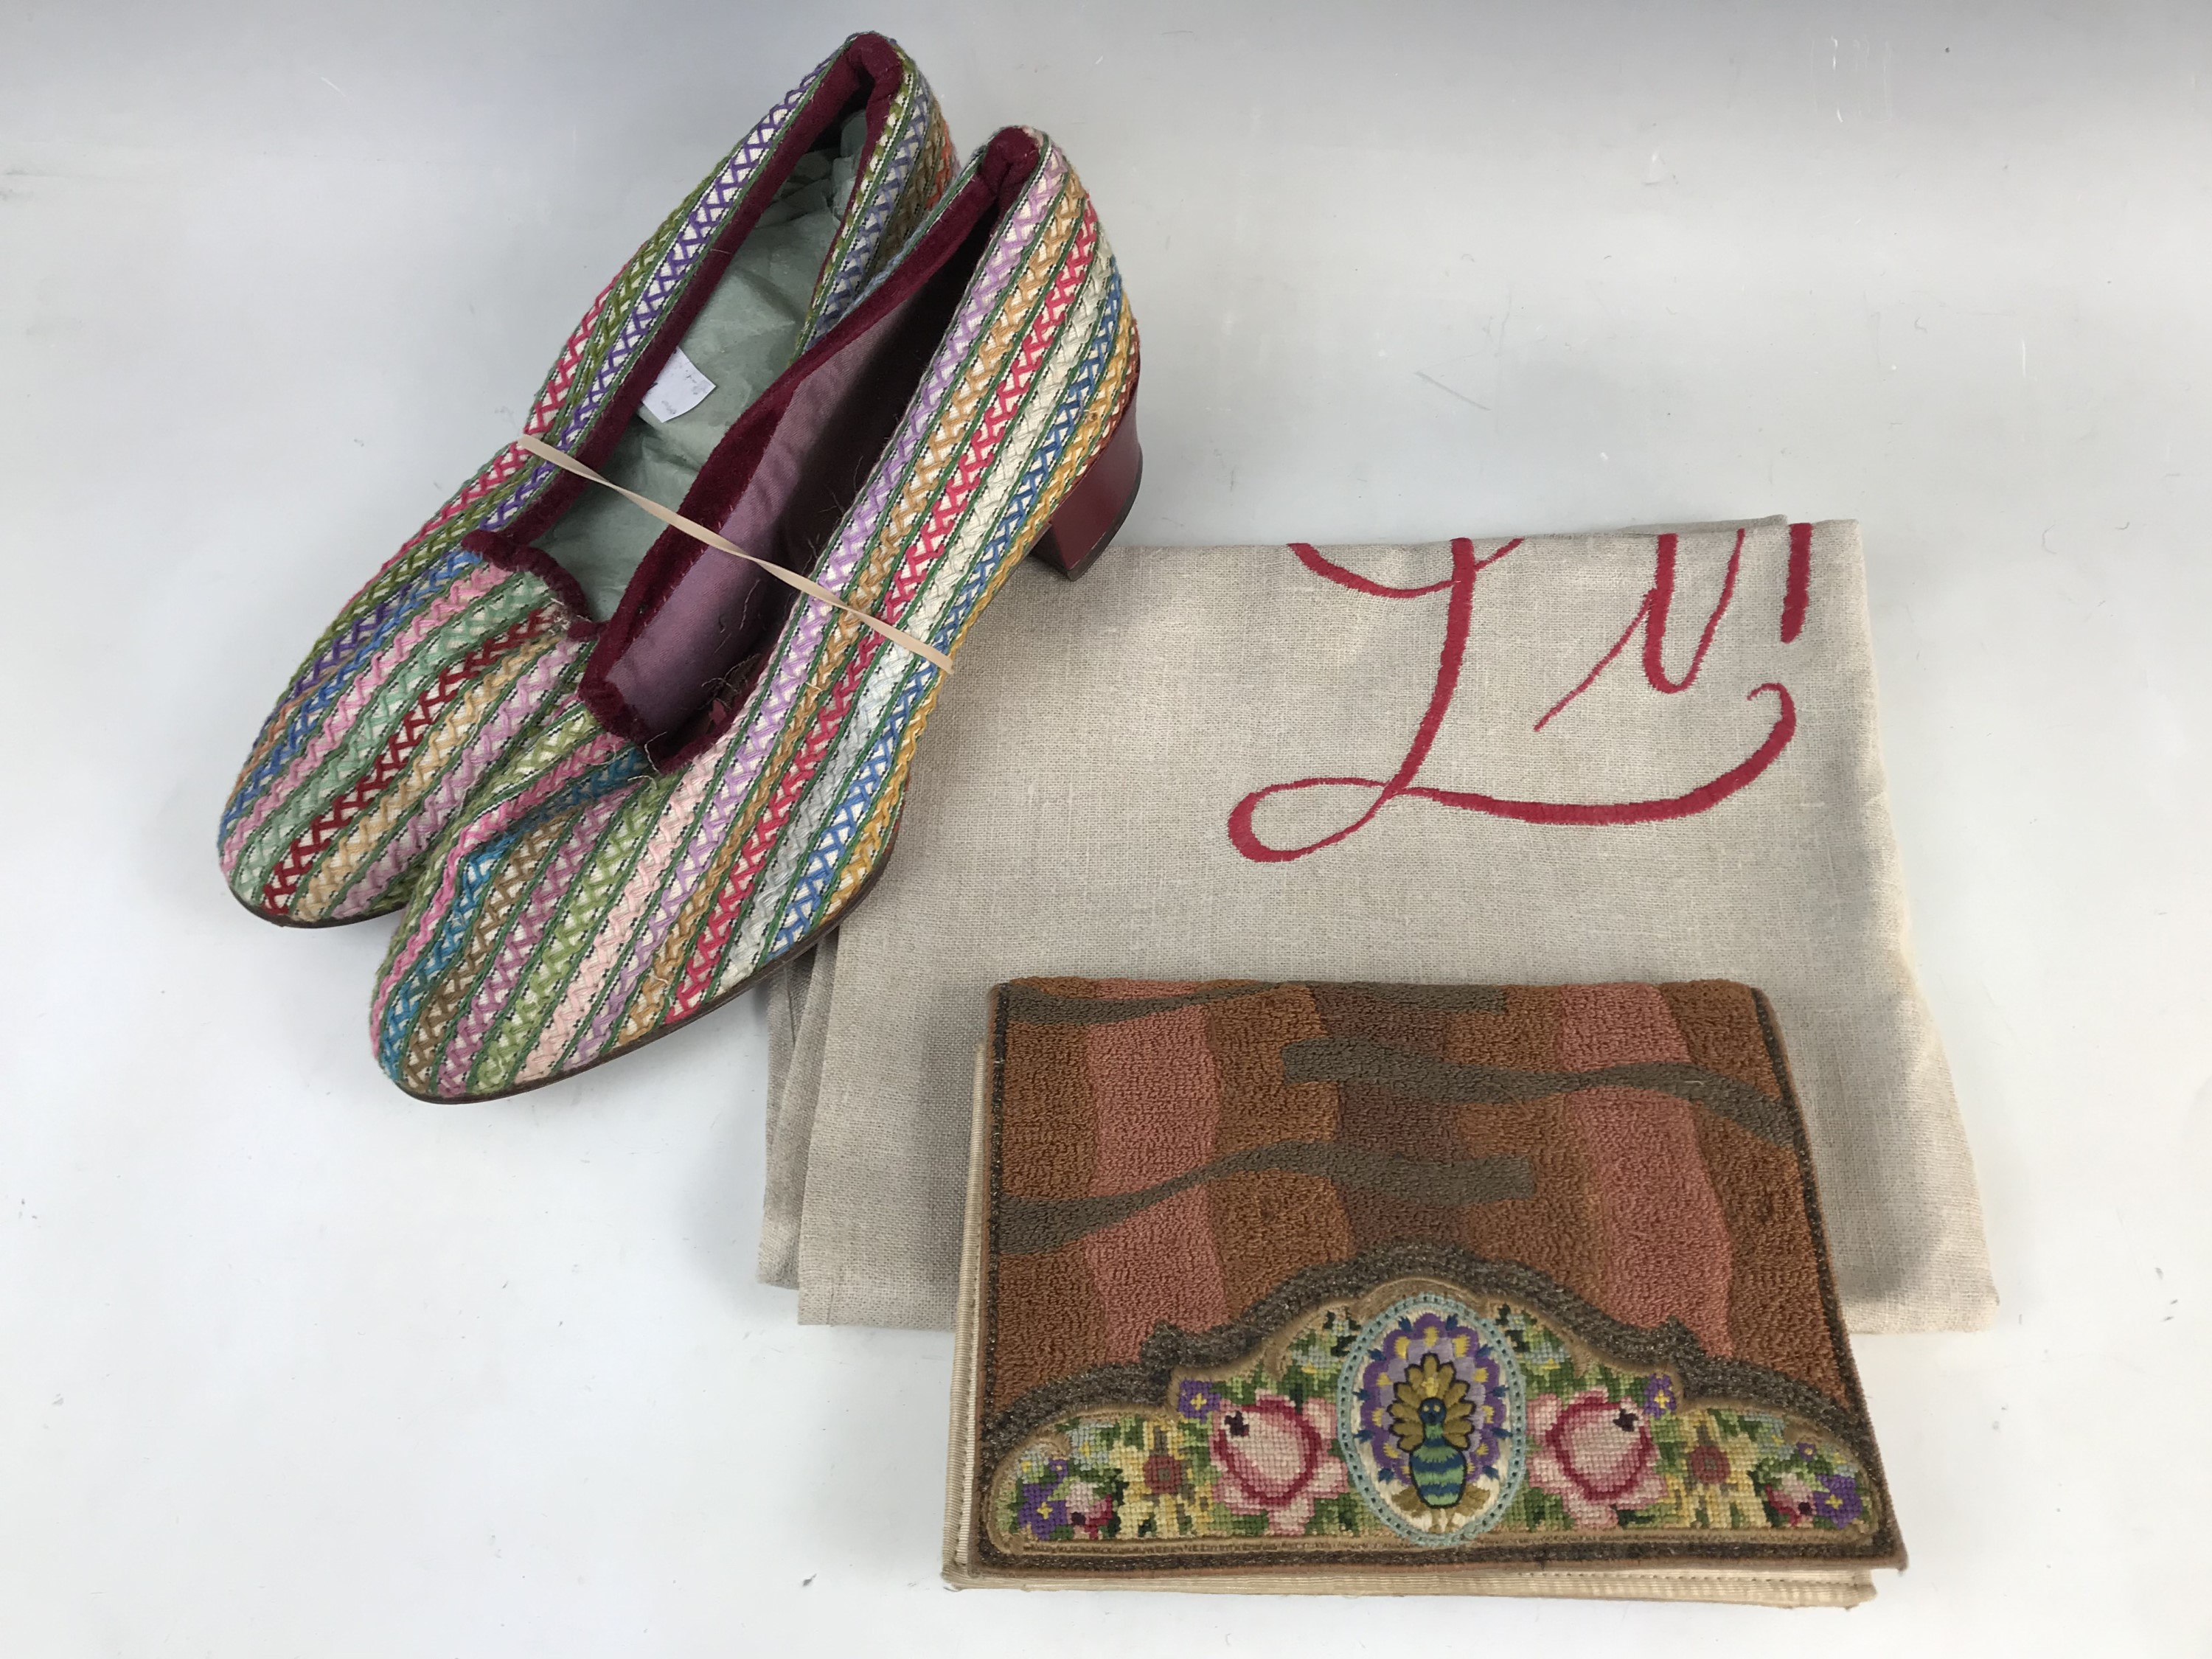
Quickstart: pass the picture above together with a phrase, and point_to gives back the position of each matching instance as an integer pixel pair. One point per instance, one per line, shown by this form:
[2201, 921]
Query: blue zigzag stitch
[705, 218]
[1083, 384]
[249, 787]
[829, 850]
[362, 627]
[476, 874]
[359, 648]
[861, 249]
[930, 214]
[399, 1013]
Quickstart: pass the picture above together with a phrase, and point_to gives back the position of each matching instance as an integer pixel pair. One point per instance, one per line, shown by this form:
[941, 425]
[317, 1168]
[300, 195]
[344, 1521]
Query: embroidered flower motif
[1798, 1497]
[1836, 1500]
[1164, 1474]
[1091, 1441]
[1769, 1434]
[1089, 1511]
[1039, 1510]
[1196, 1400]
[1790, 1499]
[1715, 1482]
[1276, 1460]
[1203, 1464]
[1595, 1455]
[1163, 1494]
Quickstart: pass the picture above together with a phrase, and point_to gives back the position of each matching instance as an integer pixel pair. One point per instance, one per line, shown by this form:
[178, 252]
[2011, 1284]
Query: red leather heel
[1094, 509]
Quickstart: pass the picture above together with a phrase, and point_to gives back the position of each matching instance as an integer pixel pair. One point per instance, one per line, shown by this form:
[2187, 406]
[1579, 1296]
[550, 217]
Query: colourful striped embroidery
[409, 705]
[566, 921]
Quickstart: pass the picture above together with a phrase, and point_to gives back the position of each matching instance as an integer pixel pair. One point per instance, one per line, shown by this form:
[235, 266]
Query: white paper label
[680, 389]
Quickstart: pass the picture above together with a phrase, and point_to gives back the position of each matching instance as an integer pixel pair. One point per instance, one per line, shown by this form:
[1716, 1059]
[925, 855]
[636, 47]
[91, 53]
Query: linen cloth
[1647, 755]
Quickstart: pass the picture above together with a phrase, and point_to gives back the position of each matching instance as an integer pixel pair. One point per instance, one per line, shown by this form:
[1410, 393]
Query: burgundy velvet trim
[869, 61]
[494, 550]
[1000, 173]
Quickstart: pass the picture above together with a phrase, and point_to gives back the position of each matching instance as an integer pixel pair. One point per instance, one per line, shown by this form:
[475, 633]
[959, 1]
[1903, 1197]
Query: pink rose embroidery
[1596, 1457]
[1275, 1459]
[1789, 1496]
[1089, 1510]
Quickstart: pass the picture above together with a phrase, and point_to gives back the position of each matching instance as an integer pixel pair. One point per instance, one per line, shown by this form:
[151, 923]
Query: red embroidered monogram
[1800, 581]
[1652, 615]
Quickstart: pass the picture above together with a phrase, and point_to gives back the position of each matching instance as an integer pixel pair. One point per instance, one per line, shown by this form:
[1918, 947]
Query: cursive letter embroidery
[1651, 614]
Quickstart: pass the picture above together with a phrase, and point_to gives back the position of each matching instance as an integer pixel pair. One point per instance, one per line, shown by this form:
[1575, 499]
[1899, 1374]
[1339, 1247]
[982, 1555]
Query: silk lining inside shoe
[741, 339]
[686, 644]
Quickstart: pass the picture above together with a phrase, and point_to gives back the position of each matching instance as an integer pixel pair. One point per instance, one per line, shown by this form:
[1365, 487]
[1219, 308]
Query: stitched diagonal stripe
[1029, 354]
[388, 765]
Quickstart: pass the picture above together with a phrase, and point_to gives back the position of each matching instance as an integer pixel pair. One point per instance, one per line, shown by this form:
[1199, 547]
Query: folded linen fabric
[1643, 756]
[1371, 1287]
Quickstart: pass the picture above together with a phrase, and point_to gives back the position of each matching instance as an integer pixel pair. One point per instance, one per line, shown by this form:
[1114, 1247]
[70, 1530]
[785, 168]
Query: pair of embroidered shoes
[610, 776]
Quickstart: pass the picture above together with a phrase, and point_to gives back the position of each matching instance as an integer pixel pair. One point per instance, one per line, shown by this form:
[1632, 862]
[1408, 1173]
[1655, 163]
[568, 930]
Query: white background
[292, 1364]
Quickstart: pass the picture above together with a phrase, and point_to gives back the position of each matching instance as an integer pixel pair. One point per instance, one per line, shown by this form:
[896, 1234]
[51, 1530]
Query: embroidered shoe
[441, 665]
[729, 778]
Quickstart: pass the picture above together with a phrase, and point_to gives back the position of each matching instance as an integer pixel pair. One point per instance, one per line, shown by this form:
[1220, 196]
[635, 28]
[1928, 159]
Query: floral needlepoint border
[1300, 1278]
[1541, 1446]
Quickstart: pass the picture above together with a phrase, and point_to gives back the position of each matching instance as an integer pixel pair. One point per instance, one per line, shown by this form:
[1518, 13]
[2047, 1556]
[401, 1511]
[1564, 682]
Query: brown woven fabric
[1196, 1200]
